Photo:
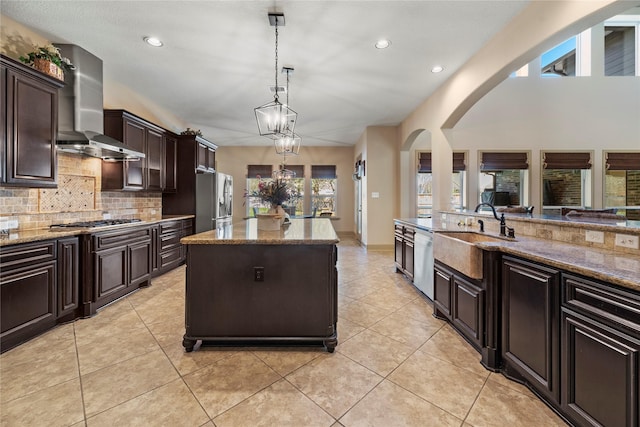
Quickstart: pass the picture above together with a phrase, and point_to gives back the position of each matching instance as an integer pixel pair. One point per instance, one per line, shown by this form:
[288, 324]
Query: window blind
[297, 169]
[323, 171]
[623, 161]
[263, 170]
[566, 161]
[424, 160]
[503, 161]
[424, 165]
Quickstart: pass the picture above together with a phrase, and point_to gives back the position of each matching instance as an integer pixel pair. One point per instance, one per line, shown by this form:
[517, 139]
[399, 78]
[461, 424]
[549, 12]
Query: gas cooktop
[97, 223]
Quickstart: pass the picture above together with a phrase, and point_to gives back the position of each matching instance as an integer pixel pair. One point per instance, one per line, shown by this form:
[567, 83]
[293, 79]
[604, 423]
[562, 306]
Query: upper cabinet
[29, 123]
[144, 174]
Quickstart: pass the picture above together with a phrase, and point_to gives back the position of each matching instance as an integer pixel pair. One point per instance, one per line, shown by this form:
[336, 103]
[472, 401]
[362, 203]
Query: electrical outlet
[627, 241]
[8, 224]
[594, 236]
[258, 274]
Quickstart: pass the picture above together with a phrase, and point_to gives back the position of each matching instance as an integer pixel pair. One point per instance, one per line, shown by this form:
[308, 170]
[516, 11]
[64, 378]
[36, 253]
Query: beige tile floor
[395, 365]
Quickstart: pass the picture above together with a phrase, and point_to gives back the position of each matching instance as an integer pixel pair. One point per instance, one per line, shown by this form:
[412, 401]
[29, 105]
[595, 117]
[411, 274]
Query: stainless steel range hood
[80, 110]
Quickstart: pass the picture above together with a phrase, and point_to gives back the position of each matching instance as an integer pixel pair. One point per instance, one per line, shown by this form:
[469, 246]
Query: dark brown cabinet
[170, 163]
[68, 274]
[205, 155]
[404, 249]
[29, 126]
[117, 263]
[461, 300]
[38, 287]
[600, 358]
[139, 135]
[171, 253]
[530, 324]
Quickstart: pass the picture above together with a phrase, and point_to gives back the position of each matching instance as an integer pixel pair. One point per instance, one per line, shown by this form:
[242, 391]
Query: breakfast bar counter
[248, 286]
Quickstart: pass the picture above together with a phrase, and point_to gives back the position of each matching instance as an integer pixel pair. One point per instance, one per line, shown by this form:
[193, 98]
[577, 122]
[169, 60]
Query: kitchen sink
[459, 250]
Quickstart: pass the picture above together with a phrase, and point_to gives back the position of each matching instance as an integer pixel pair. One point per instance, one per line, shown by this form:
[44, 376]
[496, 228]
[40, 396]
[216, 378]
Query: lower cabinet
[461, 300]
[116, 262]
[530, 309]
[404, 249]
[171, 253]
[600, 358]
[38, 288]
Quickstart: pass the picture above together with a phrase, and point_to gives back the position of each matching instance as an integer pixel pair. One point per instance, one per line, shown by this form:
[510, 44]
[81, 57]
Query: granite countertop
[26, 236]
[314, 231]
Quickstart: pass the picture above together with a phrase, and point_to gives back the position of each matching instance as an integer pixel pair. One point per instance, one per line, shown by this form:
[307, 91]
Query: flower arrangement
[274, 192]
[190, 131]
[48, 53]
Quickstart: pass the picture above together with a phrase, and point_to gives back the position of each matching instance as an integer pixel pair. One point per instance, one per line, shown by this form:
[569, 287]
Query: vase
[272, 220]
[48, 68]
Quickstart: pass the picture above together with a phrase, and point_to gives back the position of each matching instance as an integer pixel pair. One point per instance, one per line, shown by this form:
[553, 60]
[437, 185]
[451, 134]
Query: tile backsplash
[77, 198]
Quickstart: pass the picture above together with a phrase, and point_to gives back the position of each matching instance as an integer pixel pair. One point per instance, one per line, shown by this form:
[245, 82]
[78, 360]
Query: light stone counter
[314, 231]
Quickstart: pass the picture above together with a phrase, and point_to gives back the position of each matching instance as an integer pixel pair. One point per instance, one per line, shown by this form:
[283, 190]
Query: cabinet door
[211, 159]
[170, 164]
[442, 280]
[139, 262]
[27, 302]
[530, 313]
[202, 163]
[408, 251]
[399, 253]
[155, 160]
[601, 378]
[110, 271]
[134, 137]
[68, 271]
[31, 126]
[468, 310]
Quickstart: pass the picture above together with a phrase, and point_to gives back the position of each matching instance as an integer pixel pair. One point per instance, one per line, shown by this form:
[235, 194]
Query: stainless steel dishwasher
[423, 262]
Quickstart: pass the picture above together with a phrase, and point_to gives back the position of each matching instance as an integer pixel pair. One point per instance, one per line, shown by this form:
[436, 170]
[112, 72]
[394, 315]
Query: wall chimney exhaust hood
[80, 110]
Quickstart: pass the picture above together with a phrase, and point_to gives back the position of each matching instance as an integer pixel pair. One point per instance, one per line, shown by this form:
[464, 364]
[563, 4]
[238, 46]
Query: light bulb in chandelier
[283, 174]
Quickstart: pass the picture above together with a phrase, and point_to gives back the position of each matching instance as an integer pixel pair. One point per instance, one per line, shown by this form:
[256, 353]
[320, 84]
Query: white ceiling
[217, 62]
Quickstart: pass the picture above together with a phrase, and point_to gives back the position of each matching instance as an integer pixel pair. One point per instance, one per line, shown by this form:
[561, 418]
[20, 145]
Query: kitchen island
[247, 286]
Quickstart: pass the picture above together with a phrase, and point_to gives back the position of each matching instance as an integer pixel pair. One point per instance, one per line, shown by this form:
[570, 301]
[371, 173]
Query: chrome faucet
[503, 224]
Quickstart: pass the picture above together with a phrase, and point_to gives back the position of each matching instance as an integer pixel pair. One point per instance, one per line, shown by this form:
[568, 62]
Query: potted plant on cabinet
[48, 60]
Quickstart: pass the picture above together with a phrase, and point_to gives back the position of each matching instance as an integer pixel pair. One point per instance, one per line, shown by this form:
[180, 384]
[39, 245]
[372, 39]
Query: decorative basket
[48, 68]
[269, 222]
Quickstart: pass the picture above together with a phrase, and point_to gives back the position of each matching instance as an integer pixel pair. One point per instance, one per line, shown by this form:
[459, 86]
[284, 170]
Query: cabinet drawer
[170, 257]
[121, 237]
[607, 302]
[169, 241]
[170, 226]
[26, 254]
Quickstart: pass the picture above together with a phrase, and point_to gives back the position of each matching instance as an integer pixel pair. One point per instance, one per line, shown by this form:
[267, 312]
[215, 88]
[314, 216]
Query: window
[566, 181]
[298, 182]
[561, 60]
[254, 173]
[425, 181]
[324, 183]
[619, 50]
[504, 178]
[622, 183]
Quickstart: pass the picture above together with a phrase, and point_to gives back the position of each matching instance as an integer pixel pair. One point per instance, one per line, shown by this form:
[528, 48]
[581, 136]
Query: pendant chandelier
[288, 144]
[275, 120]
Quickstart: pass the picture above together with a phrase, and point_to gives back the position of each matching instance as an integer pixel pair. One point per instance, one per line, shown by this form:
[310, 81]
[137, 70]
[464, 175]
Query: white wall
[234, 160]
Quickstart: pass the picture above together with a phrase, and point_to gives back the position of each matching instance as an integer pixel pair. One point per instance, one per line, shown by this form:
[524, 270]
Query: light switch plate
[375, 195]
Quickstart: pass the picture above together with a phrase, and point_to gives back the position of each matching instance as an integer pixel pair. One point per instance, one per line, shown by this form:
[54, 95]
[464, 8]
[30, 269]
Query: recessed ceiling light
[383, 44]
[437, 69]
[153, 41]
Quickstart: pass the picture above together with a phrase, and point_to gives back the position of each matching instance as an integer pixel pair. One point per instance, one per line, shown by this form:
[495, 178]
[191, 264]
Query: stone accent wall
[77, 198]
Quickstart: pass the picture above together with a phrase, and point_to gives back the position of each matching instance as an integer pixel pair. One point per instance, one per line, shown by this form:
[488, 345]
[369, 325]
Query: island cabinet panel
[29, 126]
[247, 292]
[530, 319]
[27, 291]
[600, 357]
[442, 285]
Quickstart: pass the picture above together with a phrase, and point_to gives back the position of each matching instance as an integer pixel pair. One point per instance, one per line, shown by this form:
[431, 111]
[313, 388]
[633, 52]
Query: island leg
[330, 344]
[188, 344]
